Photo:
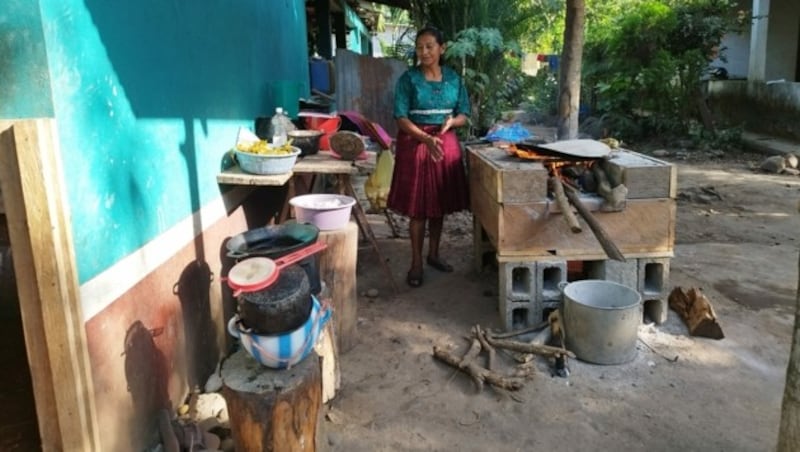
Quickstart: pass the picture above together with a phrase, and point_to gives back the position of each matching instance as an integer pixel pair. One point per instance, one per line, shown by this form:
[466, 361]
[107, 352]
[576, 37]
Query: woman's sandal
[439, 264]
[414, 279]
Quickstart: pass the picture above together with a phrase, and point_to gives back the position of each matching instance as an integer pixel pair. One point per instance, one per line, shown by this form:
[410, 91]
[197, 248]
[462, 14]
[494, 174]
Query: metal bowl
[306, 140]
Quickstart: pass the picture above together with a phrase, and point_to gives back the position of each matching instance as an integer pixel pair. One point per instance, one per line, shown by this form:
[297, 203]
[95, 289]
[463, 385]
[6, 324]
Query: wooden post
[338, 271]
[272, 410]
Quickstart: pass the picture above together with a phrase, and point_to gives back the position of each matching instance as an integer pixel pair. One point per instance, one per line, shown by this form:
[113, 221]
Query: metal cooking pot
[601, 320]
[275, 241]
[281, 307]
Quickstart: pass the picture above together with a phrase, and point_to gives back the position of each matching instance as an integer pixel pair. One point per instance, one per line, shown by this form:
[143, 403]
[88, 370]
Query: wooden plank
[41, 237]
[507, 179]
[644, 176]
[324, 162]
[536, 229]
[645, 226]
[235, 176]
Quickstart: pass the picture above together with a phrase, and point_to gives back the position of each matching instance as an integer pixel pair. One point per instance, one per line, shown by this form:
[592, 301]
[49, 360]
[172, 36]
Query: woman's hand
[449, 123]
[435, 147]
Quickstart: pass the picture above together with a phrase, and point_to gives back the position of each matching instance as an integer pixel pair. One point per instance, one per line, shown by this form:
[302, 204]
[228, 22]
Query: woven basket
[348, 145]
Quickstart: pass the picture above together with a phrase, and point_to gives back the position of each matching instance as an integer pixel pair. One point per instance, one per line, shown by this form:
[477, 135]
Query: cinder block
[517, 280]
[520, 314]
[625, 273]
[653, 286]
[653, 278]
[549, 274]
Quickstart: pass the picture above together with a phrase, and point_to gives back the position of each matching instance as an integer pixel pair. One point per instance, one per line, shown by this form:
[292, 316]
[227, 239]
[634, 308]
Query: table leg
[286, 209]
[366, 229]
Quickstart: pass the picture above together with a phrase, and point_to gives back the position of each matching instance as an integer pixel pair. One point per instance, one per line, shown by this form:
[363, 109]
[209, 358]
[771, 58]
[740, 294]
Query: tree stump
[338, 271]
[272, 410]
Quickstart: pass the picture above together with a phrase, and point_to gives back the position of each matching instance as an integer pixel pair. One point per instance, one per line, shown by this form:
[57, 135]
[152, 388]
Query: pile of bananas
[262, 147]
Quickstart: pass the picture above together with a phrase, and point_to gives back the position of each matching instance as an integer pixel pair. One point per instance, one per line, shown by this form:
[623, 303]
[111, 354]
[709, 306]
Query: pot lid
[251, 274]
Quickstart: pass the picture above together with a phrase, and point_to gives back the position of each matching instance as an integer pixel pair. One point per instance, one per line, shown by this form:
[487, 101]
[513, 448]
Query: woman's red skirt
[423, 188]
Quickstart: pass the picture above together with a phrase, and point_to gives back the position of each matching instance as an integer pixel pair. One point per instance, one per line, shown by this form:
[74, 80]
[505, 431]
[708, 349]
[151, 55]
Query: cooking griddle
[582, 149]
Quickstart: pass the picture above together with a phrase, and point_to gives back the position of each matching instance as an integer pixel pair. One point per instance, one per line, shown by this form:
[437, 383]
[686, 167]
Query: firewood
[490, 351]
[602, 236]
[479, 374]
[563, 204]
[613, 198]
[541, 350]
[696, 311]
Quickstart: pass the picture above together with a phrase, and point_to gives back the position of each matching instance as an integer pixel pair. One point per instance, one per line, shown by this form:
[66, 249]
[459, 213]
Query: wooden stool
[272, 410]
[337, 269]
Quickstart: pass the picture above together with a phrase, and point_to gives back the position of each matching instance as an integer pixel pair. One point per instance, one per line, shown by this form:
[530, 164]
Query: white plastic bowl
[325, 211]
[266, 164]
[281, 351]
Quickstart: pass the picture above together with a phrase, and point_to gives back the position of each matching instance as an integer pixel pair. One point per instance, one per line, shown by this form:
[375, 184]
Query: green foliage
[642, 71]
[486, 61]
[725, 139]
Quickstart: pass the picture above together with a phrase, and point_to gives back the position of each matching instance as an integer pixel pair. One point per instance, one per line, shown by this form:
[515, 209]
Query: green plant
[646, 66]
[484, 59]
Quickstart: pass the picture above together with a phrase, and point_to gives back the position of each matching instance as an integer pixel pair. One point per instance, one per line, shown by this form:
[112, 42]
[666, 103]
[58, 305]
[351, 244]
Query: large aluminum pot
[601, 320]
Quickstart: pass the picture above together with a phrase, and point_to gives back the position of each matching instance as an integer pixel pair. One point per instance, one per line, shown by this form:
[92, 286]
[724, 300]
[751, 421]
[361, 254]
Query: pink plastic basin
[325, 211]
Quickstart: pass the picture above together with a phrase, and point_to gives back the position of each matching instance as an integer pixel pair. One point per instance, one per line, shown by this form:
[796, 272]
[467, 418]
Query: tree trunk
[789, 434]
[569, 77]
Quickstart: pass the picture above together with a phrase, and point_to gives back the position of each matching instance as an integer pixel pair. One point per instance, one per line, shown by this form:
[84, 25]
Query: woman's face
[428, 50]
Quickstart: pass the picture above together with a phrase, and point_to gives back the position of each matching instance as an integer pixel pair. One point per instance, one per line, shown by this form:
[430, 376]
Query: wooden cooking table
[321, 163]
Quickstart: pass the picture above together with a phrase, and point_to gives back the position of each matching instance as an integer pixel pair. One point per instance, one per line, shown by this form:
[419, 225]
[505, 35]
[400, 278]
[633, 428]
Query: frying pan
[256, 273]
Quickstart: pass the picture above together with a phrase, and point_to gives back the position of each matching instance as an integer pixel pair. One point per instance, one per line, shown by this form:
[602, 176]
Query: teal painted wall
[24, 79]
[148, 96]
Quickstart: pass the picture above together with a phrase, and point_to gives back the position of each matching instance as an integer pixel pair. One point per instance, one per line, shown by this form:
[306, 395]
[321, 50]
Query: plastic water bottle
[278, 126]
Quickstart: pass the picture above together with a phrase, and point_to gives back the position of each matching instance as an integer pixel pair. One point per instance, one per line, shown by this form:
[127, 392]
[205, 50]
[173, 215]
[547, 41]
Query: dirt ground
[736, 240]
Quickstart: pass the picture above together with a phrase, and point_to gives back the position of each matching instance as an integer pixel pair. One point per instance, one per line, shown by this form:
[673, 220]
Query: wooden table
[322, 163]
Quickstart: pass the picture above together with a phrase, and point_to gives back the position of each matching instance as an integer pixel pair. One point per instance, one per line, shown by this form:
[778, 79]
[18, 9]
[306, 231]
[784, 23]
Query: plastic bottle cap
[279, 110]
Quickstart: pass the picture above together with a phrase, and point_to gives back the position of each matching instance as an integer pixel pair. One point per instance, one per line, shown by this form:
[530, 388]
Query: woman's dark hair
[437, 34]
[429, 29]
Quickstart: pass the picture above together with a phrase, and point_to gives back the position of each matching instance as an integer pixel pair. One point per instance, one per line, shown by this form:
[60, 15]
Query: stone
[791, 160]
[211, 405]
[774, 164]
[791, 171]
[373, 293]
[661, 153]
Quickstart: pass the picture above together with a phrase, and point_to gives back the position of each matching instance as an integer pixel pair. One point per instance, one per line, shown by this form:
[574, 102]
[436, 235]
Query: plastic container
[286, 95]
[281, 351]
[277, 125]
[325, 211]
[266, 164]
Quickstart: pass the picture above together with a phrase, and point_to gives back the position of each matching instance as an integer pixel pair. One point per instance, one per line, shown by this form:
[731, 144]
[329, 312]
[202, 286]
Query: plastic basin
[266, 164]
[325, 211]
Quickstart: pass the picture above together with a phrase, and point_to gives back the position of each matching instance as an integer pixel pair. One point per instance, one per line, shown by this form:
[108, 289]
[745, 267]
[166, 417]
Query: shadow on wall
[146, 374]
[200, 331]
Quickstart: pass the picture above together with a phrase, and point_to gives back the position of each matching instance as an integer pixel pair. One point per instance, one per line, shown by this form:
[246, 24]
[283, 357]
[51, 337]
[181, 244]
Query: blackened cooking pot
[276, 241]
[281, 307]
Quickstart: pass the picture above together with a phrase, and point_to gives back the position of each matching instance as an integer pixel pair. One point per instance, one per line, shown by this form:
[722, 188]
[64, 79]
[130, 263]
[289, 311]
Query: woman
[429, 180]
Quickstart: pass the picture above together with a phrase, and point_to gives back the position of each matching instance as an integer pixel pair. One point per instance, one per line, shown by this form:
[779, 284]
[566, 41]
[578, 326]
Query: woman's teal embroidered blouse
[428, 102]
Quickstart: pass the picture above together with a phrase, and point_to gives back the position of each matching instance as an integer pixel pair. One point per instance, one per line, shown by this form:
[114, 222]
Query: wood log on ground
[605, 241]
[524, 347]
[696, 311]
[272, 410]
[563, 204]
[480, 333]
[478, 373]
